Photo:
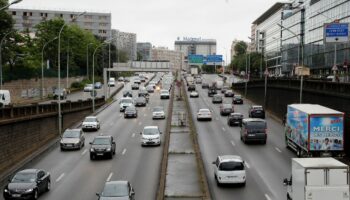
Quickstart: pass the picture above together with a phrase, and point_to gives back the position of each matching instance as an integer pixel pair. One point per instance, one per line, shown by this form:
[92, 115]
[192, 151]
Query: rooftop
[272, 10]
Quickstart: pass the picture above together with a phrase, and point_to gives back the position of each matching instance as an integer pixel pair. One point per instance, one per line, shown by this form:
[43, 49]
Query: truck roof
[318, 162]
[314, 109]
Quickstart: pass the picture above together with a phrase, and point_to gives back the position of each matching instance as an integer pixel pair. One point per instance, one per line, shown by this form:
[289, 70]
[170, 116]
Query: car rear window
[257, 125]
[231, 166]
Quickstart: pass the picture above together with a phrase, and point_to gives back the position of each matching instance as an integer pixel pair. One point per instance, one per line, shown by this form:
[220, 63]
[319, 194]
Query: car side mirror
[285, 182]
[132, 193]
[98, 194]
[160, 132]
[113, 142]
[90, 142]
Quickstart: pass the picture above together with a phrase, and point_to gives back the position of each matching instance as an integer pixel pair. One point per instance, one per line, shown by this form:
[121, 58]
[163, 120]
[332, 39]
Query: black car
[205, 85]
[145, 94]
[253, 130]
[229, 93]
[130, 112]
[127, 93]
[235, 119]
[102, 146]
[226, 109]
[257, 112]
[191, 88]
[237, 99]
[135, 86]
[140, 102]
[118, 190]
[28, 184]
[212, 92]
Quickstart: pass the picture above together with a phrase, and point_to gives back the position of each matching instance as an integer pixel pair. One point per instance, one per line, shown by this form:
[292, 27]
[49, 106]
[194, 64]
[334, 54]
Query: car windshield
[204, 111]
[231, 166]
[101, 141]
[141, 99]
[151, 131]
[88, 85]
[237, 115]
[90, 119]
[226, 106]
[130, 108]
[24, 178]
[229, 91]
[256, 125]
[115, 190]
[71, 134]
[164, 92]
[126, 101]
[157, 109]
[257, 108]
[238, 96]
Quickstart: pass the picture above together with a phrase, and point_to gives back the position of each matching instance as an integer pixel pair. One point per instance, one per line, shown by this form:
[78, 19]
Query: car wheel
[263, 142]
[62, 149]
[111, 155]
[48, 186]
[92, 157]
[243, 184]
[35, 194]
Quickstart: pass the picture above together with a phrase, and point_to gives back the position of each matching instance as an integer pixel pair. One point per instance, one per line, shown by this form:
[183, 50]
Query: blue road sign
[336, 32]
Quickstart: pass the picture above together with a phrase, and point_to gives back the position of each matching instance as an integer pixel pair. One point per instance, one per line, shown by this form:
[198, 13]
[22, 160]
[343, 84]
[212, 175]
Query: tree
[241, 48]
[6, 21]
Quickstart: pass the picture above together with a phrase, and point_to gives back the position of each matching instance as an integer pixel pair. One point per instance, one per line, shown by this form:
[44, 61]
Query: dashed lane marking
[279, 150]
[223, 129]
[60, 177]
[84, 152]
[109, 176]
[233, 143]
[133, 135]
[124, 151]
[247, 165]
[267, 197]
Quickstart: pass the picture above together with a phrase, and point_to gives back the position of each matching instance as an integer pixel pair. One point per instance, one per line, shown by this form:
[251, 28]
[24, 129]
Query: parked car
[117, 190]
[191, 88]
[205, 85]
[229, 93]
[235, 119]
[140, 101]
[72, 139]
[226, 109]
[28, 184]
[254, 130]
[127, 93]
[164, 94]
[135, 86]
[204, 114]
[125, 102]
[60, 93]
[102, 146]
[194, 94]
[88, 88]
[217, 98]
[237, 99]
[130, 111]
[91, 123]
[158, 113]
[229, 169]
[212, 92]
[150, 136]
[257, 111]
[98, 85]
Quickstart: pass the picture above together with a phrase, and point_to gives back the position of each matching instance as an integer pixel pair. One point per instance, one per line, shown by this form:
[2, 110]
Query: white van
[5, 98]
[229, 169]
[111, 82]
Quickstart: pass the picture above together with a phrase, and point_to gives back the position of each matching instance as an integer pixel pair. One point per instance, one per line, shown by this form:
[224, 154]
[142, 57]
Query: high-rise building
[199, 46]
[26, 19]
[145, 50]
[176, 58]
[125, 42]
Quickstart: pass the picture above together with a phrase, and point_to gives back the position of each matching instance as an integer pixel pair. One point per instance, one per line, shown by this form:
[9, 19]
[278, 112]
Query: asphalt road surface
[266, 165]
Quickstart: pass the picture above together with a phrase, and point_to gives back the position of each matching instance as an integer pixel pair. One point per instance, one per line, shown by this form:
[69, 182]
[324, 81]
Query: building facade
[176, 58]
[144, 49]
[26, 19]
[125, 42]
[199, 46]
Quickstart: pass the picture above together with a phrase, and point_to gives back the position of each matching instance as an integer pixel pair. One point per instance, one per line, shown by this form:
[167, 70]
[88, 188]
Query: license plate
[258, 111]
[100, 154]
[231, 176]
[251, 135]
[16, 195]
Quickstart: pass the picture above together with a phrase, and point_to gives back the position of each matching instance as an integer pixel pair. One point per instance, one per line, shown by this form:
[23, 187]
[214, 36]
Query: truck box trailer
[318, 179]
[314, 130]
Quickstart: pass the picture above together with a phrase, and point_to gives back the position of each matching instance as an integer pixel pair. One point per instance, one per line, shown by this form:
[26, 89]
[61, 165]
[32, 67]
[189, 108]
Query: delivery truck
[318, 179]
[194, 71]
[314, 130]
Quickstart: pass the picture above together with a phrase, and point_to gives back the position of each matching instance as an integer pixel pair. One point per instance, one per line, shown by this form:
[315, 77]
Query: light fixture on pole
[42, 67]
[8, 5]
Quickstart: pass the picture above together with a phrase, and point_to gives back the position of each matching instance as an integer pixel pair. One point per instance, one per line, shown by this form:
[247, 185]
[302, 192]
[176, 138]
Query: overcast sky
[162, 21]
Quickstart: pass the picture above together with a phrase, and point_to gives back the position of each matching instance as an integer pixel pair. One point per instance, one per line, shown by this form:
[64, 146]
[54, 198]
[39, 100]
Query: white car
[229, 169]
[150, 136]
[111, 82]
[158, 113]
[121, 79]
[204, 114]
[88, 88]
[91, 123]
[125, 102]
[137, 81]
[194, 94]
[150, 88]
[164, 94]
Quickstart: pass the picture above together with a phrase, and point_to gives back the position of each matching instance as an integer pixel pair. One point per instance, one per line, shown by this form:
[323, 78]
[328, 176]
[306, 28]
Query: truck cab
[5, 98]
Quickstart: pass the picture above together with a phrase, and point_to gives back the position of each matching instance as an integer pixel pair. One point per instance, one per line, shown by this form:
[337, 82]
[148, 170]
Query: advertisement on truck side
[297, 127]
[326, 133]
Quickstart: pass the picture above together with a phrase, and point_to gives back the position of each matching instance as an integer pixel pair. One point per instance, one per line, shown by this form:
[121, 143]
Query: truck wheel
[299, 153]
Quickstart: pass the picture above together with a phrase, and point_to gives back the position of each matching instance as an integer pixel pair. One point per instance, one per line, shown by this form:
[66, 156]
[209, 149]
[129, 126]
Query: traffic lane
[272, 164]
[214, 141]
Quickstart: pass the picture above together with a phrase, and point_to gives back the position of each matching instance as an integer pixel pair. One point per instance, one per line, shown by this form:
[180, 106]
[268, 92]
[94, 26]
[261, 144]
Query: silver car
[72, 139]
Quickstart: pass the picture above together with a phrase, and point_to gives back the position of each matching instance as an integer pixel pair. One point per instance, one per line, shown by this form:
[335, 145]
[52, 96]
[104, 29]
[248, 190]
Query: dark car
[257, 112]
[217, 98]
[235, 119]
[229, 93]
[254, 130]
[205, 85]
[127, 93]
[191, 88]
[130, 112]
[28, 184]
[117, 190]
[102, 146]
[72, 139]
[212, 92]
[226, 109]
[135, 86]
[98, 85]
[145, 94]
[237, 99]
[140, 102]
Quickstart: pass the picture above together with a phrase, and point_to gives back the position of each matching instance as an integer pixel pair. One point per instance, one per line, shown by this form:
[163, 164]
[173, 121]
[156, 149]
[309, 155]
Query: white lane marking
[247, 165]
[120, 114]
[60, 177]
[223, 129]
[109, 176]
[84, 152]
[279, 150]
[267, 197]
[133, 135]
[140, 123]
[233, 143]
[124, 151]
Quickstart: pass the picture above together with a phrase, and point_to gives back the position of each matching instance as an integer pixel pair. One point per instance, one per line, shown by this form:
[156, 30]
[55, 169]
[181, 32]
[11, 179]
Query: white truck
[194, 71]
[318, 179]
[5, 98]
[219, 84]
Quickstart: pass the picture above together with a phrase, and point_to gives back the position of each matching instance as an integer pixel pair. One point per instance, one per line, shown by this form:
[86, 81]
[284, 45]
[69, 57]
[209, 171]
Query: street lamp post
[1, 42]
[67, 79]
[42, 67]
[87, 60]
[14, 2]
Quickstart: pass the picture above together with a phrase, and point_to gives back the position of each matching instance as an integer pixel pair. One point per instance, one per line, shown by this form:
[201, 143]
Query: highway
[266, 165]
[75, 176]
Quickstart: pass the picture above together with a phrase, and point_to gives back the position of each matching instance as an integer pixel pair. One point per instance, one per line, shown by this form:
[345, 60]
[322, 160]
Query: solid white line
[60, 177]
[110, 176]
[133, 135]
[277, 149]
[84, 152]
[233, 143]
[124, 151]
[267, 197]
[247, 165]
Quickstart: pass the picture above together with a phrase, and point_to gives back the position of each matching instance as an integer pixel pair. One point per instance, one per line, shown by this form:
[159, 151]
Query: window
[102, 17]
[30, 14]
[42, 14]
[88, 16]
[231, 166]
[41, 174]
[13, 12]
[24, 13]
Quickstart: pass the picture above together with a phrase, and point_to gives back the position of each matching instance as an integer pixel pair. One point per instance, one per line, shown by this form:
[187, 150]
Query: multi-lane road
[266, 165]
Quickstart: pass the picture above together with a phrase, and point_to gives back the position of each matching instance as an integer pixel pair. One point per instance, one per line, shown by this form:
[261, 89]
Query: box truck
[194, 71]
[314, 130]
[318, 179]
[5, 98]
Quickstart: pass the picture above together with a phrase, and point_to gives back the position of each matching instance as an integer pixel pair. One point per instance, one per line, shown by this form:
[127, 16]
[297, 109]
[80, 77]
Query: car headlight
[92, 150]
[108, 149]
[29, 190]
[157, 138]
[6, 190]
